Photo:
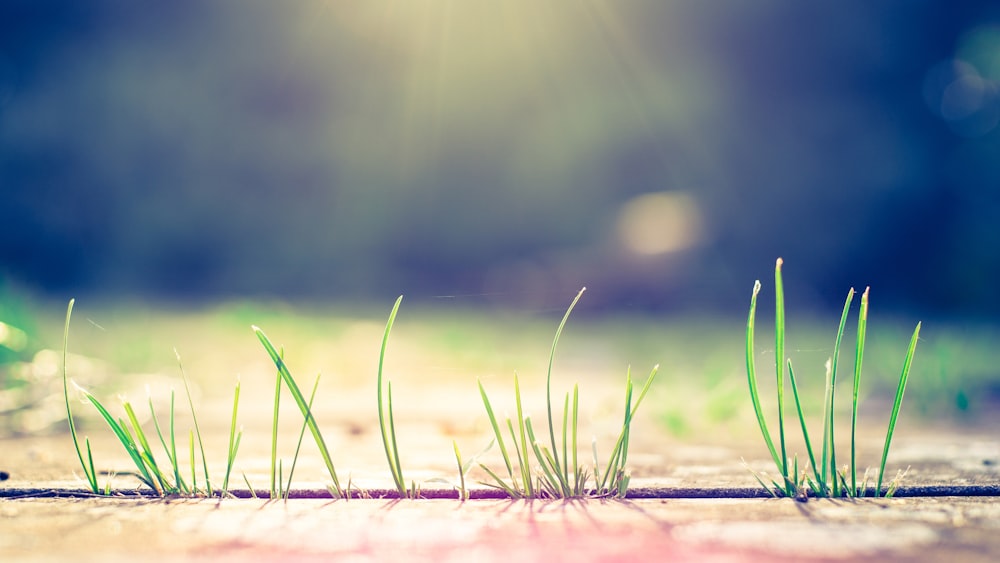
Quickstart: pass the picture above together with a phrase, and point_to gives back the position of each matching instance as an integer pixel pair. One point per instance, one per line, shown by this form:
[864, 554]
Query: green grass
[558, 473]
[822, 478]
[541, 457]
[285, 377]
[387, 428]
[559, 477]
[163, 479]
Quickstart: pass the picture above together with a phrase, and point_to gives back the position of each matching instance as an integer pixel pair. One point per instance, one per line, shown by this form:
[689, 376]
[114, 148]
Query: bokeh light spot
[12, 337]
[963, 97]
[957, 92]
[660, 223]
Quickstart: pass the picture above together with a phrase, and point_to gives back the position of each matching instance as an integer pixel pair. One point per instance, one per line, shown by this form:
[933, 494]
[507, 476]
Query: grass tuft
[163, 480]
[559, 477]
[824, 479]
[304, 407]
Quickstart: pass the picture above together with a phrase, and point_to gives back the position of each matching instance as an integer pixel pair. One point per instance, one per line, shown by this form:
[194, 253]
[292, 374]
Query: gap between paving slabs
[490, 494]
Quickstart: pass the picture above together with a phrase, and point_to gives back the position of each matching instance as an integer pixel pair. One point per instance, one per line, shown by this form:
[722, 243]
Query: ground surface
[439, 530]
[692, 434]
[901, 529]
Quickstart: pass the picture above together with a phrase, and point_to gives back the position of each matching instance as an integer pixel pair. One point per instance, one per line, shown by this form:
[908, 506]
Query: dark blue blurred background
[663, 153]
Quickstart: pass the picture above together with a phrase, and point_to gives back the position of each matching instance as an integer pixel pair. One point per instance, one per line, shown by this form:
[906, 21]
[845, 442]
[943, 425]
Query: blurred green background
[663, 153]
[180, 166]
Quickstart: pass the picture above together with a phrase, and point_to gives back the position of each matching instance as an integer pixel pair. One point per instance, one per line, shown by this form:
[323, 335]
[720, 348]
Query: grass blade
[779, 361]
[500, 483]
[194, 418]
[805, 432]
[910, 351]
[398, 469]
[752, 376]
[124, 438]
[194, 473]
[253, 493]
[578, 486]
[549, 479]
[616, 461]
[858, 354]
[298, 444]
[773, 491]
[829, 449]
[522, 461]
[565, 441]
[300, 400]
[619, 455]
[548, 379]
[274, 429]
[147, 453]
[172, 449]
[496, 429]
[173, 443]
[462, 494]
[233, 440]
[522, 451]
[391, 455]
[88, 471]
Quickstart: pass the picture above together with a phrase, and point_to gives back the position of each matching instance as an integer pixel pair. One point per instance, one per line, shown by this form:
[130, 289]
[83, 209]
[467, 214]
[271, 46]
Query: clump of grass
[278, 487]
[163, 479]
[821, 479]
[559, 476]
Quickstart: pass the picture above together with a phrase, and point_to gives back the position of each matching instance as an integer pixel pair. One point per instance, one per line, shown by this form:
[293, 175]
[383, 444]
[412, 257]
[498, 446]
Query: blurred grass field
[446, 344]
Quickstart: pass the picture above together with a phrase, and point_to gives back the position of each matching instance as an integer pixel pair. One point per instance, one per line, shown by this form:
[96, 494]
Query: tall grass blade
[752, 376]
[300, 400]
[548, 379]
[390, 444]
[88, 470]
[779, 361]
[194, 418]
[910, 351]
[829, 451]
[858, 354]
